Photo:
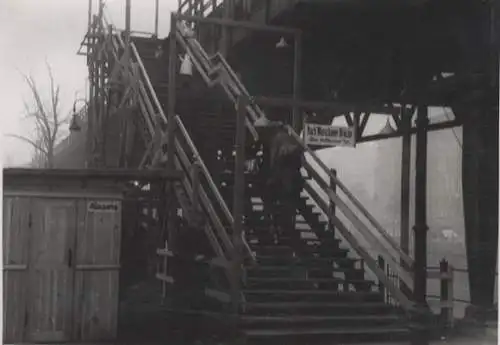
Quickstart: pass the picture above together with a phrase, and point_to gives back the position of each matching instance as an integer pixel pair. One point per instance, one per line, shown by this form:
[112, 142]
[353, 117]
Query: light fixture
[186, 65]
[282, 43]
[388, 129]
[74, 125]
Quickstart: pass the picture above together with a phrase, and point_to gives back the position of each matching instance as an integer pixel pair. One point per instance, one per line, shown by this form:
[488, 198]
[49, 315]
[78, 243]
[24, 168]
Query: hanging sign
[103, 206]
[324, 135]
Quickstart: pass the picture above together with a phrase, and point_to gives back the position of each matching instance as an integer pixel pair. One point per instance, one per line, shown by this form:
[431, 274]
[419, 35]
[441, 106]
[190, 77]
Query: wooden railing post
[446, 287]
[333, 186]
[238, 200]
[381, 265]
[195, 186]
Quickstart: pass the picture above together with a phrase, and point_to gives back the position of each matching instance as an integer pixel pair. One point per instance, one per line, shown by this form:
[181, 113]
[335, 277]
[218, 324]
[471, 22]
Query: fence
[444, 302]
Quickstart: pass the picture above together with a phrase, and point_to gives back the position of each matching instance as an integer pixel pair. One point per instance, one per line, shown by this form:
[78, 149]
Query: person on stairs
[283, 181]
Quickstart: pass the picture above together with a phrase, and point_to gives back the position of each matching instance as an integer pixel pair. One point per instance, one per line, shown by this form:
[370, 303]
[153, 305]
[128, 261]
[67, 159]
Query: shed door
[51, 280]
[97, 270]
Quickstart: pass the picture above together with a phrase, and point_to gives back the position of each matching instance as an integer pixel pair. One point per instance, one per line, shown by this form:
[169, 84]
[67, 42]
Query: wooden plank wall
[50, 273]
[92, 297]
[97, 273]
[15, 258]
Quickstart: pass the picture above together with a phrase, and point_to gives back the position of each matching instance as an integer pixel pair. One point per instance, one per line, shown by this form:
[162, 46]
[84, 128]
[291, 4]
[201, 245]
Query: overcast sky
[35, 31]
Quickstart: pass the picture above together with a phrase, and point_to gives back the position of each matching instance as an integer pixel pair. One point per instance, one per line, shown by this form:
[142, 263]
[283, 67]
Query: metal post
[157, 9]
[420, 244]
[297, 79]
[405, 190]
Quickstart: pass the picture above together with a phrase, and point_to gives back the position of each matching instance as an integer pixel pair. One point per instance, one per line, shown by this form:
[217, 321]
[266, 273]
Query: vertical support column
[297, 81]
[332, 207]
[405, 189]
[172, 73]
[127, 21]
[227, 4]
[172, 83]
[91, 106]
[157, 9]
[89, 24]
[238, 199]
[420, 265]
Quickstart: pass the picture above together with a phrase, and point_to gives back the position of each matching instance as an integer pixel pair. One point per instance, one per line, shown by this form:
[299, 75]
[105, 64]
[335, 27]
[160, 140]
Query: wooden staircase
[320, 293]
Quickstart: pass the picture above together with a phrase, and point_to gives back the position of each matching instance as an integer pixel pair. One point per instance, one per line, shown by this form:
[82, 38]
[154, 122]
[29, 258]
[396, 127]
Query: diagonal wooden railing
[220, 218]
[215, 70]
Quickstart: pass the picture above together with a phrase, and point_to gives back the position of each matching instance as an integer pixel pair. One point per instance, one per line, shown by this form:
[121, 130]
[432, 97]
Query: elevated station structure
[301, 61]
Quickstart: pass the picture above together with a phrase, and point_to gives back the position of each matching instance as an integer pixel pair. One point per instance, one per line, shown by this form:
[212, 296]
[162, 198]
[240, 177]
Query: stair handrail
[408, 261]
[258, 113]
[191, 145]
[381, 275]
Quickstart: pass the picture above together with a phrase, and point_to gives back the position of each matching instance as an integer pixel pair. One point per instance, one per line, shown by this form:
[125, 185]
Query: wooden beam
[297, 83]
[110, 174]
[431, 127]
[321, 105]
[239, 24]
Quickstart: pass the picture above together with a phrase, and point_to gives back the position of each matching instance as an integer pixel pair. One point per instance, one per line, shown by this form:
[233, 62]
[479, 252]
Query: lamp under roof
[388, 129]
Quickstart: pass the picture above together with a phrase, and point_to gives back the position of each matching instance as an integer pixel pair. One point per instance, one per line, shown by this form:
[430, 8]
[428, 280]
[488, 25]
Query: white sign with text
[324, 135]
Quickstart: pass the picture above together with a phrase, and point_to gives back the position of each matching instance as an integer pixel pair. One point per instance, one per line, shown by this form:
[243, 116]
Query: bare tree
[46, 119]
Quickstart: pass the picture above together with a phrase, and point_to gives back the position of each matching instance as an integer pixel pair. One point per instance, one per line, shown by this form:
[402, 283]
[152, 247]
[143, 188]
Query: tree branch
[29, 141]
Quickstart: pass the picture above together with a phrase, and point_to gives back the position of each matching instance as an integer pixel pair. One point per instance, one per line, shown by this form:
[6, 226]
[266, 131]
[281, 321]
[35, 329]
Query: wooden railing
[215, 69]
[198, 7]
[220, 218]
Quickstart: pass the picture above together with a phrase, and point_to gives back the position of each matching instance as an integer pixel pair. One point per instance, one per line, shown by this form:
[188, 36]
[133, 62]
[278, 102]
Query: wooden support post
[446, 287]
[157, 9]
[127, 21]
[405, 190]
[238, 199]
[297, 81]
[195, 183]
[225, 29]
[89, 24]
[420, 229]
[172, 74]
[381, 286]
[333, 186]
[239, 174]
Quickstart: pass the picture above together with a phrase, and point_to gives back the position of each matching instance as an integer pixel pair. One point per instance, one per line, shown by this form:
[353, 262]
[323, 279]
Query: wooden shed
[61, 254]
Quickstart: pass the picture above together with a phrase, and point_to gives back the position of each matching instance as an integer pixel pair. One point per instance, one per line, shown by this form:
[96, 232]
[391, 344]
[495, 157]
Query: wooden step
[361, 334]
[318, 308]
[263, 259]
[322, 321]
[294, 283]
[315, 318]
[312, 295]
